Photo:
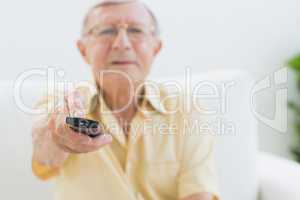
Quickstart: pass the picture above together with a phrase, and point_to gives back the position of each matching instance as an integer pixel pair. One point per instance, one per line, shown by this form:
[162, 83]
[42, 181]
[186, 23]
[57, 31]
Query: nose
[122, 41]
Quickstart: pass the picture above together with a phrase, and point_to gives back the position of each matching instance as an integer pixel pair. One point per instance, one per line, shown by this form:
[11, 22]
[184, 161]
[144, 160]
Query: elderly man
[130, 161]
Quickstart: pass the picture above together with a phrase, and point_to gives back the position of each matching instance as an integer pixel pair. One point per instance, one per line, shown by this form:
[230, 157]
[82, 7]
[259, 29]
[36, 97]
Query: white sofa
[244, 172]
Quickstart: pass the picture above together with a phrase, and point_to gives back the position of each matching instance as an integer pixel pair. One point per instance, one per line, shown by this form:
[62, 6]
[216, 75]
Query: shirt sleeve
[198, 173]
[43, 172]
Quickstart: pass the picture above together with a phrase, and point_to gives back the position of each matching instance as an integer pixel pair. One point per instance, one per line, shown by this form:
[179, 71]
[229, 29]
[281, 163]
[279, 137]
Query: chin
[124, 77]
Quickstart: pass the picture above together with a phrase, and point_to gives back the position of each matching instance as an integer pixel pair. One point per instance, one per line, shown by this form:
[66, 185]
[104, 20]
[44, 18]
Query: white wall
[257, 35]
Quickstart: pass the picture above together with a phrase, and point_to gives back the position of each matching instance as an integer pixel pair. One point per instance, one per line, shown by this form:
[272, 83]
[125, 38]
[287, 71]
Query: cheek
[145, 54]
[98, 55]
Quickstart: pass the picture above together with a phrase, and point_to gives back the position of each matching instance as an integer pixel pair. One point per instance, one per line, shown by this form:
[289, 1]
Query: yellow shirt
[163, 157]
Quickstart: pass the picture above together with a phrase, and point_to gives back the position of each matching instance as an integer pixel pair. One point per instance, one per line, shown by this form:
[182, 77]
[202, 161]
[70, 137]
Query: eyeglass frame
[150, 31]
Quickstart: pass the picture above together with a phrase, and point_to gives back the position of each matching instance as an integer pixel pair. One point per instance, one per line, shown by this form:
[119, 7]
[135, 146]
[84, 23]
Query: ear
[83, 50]
[157, 47]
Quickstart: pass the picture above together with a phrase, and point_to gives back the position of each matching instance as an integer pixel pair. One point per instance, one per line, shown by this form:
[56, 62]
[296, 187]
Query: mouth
[124, 62]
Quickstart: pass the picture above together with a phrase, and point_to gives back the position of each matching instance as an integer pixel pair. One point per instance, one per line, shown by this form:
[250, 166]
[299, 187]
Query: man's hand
[53, 140]
[200, 196]
[69, 140]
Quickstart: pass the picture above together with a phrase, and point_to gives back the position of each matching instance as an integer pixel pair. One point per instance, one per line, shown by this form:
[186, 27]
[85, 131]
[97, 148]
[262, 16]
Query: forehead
[127, 13]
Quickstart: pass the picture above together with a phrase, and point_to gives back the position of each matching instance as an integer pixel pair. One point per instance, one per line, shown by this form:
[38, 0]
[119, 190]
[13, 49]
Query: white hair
[118, 2]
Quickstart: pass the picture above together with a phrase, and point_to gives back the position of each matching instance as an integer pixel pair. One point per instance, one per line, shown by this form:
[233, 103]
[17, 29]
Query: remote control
[88, 127]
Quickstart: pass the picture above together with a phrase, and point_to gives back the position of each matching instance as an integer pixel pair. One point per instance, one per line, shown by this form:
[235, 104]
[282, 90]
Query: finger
[77, 148]
[69, 146]
[75, 102]
[66, 136]
[66, 105]
[76, 141]
[67, 149]
[78, 100]
[92, 144]
[76, 137]
[59, 135]
[100, 140]
[85, 147]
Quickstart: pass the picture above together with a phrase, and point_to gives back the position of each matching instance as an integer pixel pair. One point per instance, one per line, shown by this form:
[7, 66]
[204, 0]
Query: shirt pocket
[162, 177]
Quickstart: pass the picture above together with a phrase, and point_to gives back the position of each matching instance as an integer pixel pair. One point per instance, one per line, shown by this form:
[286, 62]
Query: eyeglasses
[108, 33]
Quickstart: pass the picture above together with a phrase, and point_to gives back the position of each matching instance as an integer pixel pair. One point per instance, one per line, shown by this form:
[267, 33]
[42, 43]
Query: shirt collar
[98, 109]
[152, 99]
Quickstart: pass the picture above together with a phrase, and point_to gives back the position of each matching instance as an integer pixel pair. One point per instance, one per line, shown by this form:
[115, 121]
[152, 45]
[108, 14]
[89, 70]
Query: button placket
[128, 166]
[132, 139]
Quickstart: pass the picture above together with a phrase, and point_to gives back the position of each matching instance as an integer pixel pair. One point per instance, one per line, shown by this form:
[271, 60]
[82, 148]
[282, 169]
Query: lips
[123, 62]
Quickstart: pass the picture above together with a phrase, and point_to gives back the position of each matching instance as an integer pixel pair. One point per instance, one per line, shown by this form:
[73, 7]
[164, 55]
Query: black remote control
[88, 127]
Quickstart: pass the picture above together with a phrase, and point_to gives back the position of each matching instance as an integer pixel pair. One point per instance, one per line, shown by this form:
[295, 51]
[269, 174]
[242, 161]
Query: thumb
[75, 104]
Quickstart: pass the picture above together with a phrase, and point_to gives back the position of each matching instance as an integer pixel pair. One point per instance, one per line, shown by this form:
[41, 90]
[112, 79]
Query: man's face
[121, 39]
